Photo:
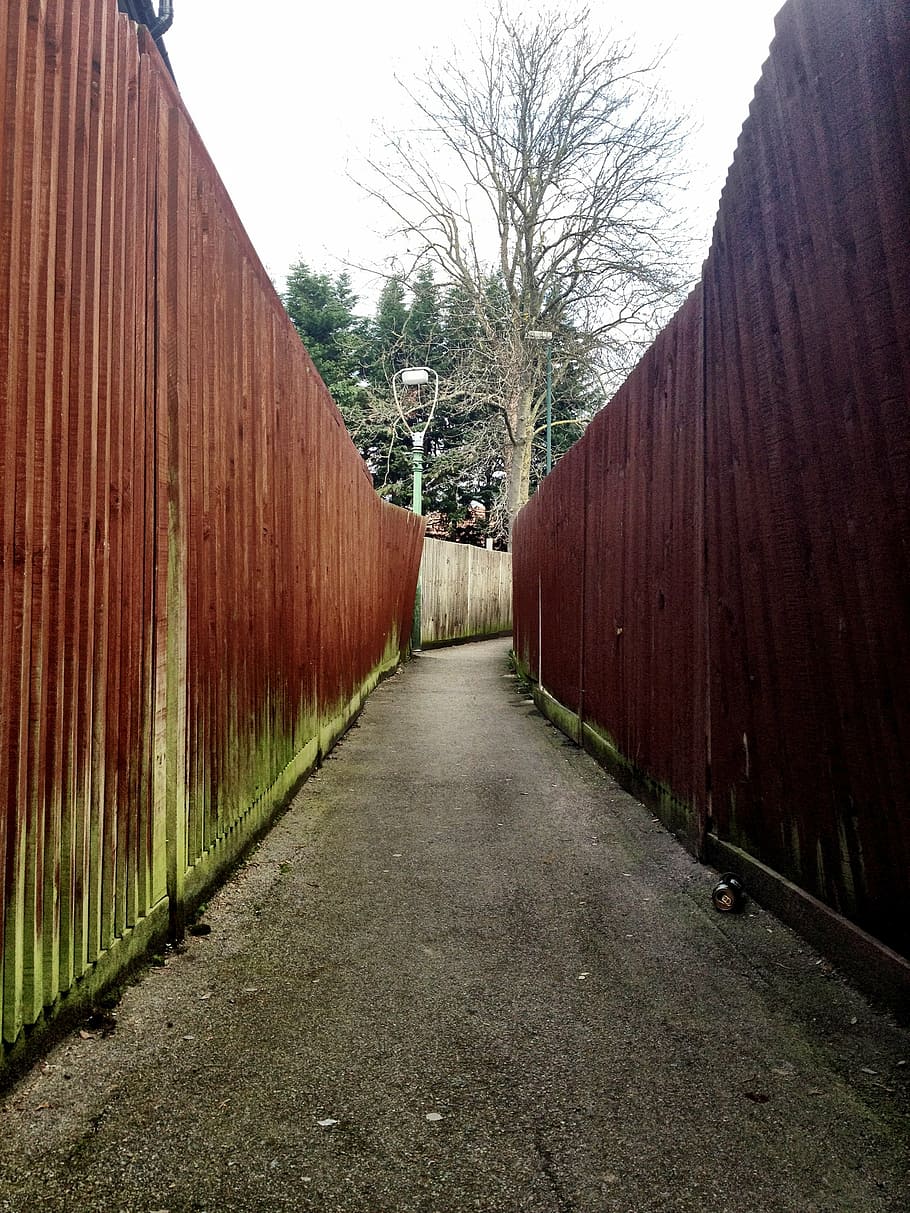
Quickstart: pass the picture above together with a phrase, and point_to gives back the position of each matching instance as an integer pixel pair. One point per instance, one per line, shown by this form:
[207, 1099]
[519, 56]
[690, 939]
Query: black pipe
[165, 19]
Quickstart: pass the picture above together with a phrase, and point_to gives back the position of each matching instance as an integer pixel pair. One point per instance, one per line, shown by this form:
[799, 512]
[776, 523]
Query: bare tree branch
[540, 185]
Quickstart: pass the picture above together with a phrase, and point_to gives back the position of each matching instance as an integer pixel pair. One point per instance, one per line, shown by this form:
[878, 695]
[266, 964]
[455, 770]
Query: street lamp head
[539, 335]
[416, 377]
[412, 376]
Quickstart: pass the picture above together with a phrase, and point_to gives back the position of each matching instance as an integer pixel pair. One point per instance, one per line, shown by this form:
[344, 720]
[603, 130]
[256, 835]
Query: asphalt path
[465, 971]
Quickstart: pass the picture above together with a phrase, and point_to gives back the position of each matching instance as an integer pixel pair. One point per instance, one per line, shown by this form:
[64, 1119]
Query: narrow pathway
[466, 972]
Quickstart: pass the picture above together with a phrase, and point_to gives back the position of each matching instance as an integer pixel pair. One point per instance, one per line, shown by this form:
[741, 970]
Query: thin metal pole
[417, 456]
[549, 406]
[417, 508]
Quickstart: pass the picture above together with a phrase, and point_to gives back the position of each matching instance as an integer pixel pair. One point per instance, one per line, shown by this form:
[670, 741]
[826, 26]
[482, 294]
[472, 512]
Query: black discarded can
[729, 896]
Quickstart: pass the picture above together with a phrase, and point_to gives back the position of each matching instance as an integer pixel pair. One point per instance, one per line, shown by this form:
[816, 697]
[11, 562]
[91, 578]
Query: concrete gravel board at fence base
[462, 915]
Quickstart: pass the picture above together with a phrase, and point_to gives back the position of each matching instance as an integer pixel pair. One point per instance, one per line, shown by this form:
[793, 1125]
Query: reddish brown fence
[198, 581]
[715, 582]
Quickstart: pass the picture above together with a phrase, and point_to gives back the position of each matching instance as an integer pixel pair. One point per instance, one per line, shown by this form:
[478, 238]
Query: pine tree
[322, 311]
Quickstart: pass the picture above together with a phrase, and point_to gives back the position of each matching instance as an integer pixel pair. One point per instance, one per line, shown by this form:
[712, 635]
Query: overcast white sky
[286, 95]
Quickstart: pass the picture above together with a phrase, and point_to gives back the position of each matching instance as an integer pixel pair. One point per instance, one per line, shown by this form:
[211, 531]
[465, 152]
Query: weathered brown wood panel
[70, 88]
[808, 291]
[466, 592]
[747, 581]
[643, 570]
[561, 580]
[198, 581]
[527, 533]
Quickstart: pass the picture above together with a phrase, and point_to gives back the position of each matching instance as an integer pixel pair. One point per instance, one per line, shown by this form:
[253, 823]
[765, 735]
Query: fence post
[173, 347]
[584, 576]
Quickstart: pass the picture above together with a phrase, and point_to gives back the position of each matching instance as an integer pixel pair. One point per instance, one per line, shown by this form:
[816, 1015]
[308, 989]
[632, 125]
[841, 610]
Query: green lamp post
[416, 377]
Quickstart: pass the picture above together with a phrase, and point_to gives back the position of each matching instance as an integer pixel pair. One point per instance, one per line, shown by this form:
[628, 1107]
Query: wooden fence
[198, 581]
[714, 583]
[466, 592]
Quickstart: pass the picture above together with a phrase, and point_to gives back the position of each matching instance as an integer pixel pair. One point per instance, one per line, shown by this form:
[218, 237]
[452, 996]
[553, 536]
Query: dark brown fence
[198, 581]
[715, 581]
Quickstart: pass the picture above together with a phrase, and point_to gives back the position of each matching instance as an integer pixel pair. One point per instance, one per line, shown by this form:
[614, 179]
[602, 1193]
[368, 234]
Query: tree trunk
[518, 469]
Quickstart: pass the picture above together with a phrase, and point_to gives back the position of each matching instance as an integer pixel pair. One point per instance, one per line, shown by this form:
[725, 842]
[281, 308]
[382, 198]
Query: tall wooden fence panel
[604, 606]
[561, 581]
[466, 592]
[747, 498]
[198, 581]
[644, 572]
[808, 291]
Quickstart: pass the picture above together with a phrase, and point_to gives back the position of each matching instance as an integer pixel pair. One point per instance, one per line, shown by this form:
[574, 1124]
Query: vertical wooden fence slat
[221, 572]
[205, 478]
[28, 530]
[173, 396]
[64, 24]
[46, 557]
[89, 524]
[125, 595]
[194, 511]
[18, 145]
[132, 511]
[9, 33]
[153, 874]
[161, 325]
[72, 288]
[97, 833]
[7, 463]
[115, 724]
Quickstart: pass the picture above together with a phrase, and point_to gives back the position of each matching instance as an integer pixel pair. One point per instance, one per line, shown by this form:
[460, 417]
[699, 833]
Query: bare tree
[543, 166]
